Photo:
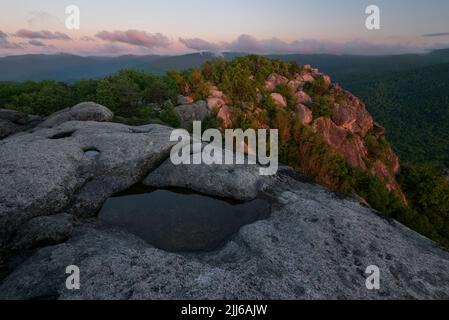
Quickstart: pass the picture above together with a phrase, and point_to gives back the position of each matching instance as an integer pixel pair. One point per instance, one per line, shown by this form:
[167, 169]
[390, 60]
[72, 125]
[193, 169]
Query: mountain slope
[414, 107]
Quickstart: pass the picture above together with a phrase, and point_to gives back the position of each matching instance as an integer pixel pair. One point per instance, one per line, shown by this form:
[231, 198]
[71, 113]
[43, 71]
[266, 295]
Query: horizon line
[425, 51]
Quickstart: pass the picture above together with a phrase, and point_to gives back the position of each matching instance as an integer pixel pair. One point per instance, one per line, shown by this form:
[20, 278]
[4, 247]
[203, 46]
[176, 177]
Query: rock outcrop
[86, 111]
[337, 116]
[7, 128]
[353, 148]
[274, 80]
[352, 115]
[188, 113]
[226, 116]
[304, 114]
[279, 100]
[43, 231]
[184, 100]
[238, 182]
[12, 122]
[214, 103]
[302, 97]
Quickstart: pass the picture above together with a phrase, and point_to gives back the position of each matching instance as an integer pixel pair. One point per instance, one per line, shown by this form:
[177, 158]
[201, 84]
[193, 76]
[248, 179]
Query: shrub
[377, 146]
[321, 107]
[169, 116]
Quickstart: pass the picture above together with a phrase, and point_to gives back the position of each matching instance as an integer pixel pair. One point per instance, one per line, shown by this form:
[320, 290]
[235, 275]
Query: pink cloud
[37, 43]
[250, 44]
[86, 38]
[141, 42]
[48, 35]
[136, 38]
[199, 44]
[6, 44]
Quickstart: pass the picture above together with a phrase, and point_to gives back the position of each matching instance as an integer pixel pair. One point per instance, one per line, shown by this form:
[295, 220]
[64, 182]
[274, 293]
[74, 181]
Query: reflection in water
[177, 222]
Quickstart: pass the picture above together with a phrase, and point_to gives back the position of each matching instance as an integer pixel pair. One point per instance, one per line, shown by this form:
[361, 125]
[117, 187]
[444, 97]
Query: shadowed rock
[12, 122]
[44, 230]
[188, 113]
[86, 111]
[240, 182]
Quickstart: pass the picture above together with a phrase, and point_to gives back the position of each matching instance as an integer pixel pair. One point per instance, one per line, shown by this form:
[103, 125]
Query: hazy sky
[175, 26]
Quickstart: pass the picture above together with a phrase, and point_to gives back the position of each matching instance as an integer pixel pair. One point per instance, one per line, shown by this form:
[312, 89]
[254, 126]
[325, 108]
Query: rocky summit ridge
[324, 108]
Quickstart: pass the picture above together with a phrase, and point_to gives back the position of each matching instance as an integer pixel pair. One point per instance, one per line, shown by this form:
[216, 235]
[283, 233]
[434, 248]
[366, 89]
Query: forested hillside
[414, 108]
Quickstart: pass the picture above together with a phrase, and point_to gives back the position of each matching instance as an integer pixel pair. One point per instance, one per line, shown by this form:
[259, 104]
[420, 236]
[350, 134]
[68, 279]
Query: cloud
[200, 44]
[87, 38]
[441, 34]
[37, 43]
[136, 38]
[6, 44]
[249, 44]
[48, 35]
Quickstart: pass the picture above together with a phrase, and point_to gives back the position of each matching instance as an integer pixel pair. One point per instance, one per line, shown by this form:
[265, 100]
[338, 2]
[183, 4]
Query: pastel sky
[260, 26]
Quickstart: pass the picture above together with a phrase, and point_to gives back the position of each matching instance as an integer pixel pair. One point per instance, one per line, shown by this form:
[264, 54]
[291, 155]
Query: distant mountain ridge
[345, 68]
[70, 68]
[66, 67]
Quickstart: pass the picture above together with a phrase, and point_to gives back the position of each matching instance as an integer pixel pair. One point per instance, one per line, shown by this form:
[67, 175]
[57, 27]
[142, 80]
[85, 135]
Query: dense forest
[138, 97]
[413, 106]
[134, 96]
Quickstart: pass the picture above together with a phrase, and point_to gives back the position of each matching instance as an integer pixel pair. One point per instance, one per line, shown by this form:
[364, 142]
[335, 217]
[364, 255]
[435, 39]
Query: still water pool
[178, 221]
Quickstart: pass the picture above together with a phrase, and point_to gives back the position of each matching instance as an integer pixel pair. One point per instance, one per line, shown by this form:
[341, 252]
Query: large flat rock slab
[313, 246]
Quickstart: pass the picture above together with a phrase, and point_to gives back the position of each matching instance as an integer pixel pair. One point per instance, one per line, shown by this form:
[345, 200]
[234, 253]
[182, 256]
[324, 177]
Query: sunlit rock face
[279, 100]
[345, 128]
